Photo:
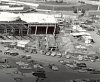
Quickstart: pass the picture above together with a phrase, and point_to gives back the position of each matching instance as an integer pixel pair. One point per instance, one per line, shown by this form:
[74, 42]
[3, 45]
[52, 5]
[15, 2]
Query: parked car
[62, 62]
[68, 56]
[0, 51]
[31, 61]
[47, 53]
[93, 60]
[38, 66]
[53, 67]
[90, 69]
[81, 65]
[95, 72]
[71, 65]
[22, 56]
[14, 53]
[53, 53]
[86, 59]
[6, 66]
[96, 57]
[25, 57]
[3, 60]
[76, 68]
[28, 56]
[82, 71]
[40, 74]
[7, 53]
[7, 48]
[58, 54]
[2, 37]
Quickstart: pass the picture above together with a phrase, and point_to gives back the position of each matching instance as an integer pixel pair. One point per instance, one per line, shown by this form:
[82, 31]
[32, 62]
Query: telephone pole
[98, 7]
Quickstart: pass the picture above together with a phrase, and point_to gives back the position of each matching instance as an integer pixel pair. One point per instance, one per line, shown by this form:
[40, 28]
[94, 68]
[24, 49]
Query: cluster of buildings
[44, 30]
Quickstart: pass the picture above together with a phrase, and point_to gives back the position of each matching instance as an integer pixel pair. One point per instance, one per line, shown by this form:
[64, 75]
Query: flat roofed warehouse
[27, 23]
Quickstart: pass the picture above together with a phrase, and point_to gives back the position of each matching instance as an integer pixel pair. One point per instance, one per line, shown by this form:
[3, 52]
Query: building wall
[61, 0]
[30, 29]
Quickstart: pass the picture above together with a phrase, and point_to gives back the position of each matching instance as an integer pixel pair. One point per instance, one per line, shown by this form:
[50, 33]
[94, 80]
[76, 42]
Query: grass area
[55, 3]
[68, 2]
[66, 8]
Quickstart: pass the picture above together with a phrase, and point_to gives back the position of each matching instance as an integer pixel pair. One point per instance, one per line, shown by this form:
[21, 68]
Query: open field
[66, 6]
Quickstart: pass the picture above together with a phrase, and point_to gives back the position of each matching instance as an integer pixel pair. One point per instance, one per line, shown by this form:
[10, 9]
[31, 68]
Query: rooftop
[6, 17]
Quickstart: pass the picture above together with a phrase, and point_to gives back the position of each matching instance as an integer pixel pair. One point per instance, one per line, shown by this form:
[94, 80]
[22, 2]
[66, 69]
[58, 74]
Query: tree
[45, 0]
[75, 11]
[59, 1]
[83, 11]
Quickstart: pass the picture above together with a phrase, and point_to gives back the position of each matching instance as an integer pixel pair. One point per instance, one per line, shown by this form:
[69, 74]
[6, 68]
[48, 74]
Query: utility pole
[53, 8]
[98, 7]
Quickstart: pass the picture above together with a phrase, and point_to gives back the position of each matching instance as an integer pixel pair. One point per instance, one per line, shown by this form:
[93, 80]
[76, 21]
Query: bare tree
[59, 1]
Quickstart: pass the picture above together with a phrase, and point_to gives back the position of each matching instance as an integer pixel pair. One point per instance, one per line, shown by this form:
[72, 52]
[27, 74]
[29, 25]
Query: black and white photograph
[49, 40]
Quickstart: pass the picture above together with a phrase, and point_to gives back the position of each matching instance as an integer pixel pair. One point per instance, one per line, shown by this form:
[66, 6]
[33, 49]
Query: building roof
[6, 16]
[80, 34]
[27, 18]
[37, 18]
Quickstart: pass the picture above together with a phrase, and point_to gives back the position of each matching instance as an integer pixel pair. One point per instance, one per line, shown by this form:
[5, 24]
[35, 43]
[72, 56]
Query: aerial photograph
[49, 40]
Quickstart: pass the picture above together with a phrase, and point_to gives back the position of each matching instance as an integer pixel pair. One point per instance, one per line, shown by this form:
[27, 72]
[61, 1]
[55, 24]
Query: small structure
[22, 44]
[80, 34]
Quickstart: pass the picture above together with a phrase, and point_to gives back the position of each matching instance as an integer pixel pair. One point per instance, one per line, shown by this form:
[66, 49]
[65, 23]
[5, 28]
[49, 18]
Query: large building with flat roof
[27, 23]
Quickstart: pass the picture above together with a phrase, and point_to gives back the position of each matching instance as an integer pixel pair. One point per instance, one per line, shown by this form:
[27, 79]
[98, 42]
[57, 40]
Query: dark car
[14, 53]
[82, 2]
[22, 56]
[3, 60]
[1, 51]
[39, 74]
[31, 61]
[81, 65]
[2, 37]
[25, 57]
[95, 72]
[7, 52]
[53, 67]
[90, 69]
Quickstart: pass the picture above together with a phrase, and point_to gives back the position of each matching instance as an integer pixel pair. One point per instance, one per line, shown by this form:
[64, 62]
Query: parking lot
[64, 73]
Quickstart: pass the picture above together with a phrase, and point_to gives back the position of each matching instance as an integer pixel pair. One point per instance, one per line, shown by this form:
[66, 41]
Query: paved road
[64, 74]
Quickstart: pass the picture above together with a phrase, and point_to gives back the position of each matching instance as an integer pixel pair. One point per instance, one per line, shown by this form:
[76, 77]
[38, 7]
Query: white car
[70, 65]
[53, 53]
[82, 71]
[37, 66]
[68, 56]
[58, 54]
[48, 54]
[53, 67]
